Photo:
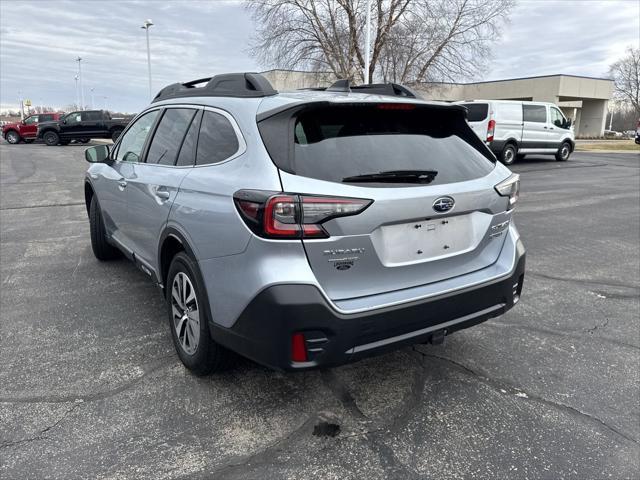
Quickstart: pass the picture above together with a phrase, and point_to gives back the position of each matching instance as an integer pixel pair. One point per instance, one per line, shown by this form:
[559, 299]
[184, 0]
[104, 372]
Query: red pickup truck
[27, 129]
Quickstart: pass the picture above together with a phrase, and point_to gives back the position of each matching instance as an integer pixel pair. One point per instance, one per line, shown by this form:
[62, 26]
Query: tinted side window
[476, 112]
[534, 113]
[30, 120]
[187, 153]
[45, 118]
[169, 135]
[91, 116]
[132, 142]
[217, 141]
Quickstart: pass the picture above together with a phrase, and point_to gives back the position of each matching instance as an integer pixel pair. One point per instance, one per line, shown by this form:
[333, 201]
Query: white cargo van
[513, 129]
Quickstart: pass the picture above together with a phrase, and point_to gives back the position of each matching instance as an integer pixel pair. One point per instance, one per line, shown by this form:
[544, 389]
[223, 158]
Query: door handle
[544, 128]
[122, 183]
[161, 193]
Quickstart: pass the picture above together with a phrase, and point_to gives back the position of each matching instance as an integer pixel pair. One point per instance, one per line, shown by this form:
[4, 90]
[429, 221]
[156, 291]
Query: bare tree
[626, 76]
[412, 40]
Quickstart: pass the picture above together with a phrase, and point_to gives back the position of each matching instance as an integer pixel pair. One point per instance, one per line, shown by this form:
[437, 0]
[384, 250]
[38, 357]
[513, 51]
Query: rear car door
[153, 184]
[535, 133]
[92, 124]
[111, 184]
[411, 233]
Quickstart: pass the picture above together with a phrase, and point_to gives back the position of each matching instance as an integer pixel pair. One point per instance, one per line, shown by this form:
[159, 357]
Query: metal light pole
[147, 24]
[77, 93]
[79, 59]
[93, 103]
[367, 47]
[21, 105]
[104, 102]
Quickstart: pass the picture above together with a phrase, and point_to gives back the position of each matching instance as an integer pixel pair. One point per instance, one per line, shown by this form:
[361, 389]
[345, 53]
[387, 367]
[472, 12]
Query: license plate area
[429, 240]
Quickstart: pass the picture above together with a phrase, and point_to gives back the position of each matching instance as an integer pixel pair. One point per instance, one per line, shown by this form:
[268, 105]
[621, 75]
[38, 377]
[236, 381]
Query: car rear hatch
[421, 182]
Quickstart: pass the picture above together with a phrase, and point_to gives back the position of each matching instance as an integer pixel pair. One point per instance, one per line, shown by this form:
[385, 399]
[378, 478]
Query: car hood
[6, 126]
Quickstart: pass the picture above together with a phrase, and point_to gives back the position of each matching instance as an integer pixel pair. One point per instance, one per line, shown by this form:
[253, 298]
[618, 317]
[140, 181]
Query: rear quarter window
[335, 142]
[477, 112]
[217, 140]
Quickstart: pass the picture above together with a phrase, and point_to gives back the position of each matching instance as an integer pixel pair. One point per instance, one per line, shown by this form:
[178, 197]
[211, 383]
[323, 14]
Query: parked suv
[514, 129]
[82, 126]
[26, 129]
[309, 228]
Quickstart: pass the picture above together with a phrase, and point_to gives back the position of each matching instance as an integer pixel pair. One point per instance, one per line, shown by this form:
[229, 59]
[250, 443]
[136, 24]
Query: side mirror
[97, 154]
[569, 123]
[64, 120]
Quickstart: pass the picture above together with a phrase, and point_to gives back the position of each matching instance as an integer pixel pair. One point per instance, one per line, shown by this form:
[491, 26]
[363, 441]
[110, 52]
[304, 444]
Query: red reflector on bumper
[298, 348]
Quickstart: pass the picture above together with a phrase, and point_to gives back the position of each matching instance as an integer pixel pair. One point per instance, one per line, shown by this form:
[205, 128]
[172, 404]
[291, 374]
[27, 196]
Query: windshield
[337, 142]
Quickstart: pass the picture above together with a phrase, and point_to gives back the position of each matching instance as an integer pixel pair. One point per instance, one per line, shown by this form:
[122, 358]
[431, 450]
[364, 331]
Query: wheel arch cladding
[88, 195]
[171, 242]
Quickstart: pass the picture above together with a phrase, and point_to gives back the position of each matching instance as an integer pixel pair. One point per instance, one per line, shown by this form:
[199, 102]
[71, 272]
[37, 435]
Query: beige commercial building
[583, 99]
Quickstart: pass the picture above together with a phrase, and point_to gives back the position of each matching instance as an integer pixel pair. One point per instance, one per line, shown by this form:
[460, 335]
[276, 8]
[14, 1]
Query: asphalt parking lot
[90, 386]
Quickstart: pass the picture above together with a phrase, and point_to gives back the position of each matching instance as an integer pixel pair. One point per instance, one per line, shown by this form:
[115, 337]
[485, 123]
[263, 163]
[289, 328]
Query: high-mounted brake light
[395, 106]
[510, 188]
[491, 128]
[292, 215]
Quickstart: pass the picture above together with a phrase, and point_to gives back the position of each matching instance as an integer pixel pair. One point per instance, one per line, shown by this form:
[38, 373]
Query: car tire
[189, 316]
[51, 138]
[12, 137]
[115, 134]
[102, 249]
[509, 154]
[563, 153]
[520, 156]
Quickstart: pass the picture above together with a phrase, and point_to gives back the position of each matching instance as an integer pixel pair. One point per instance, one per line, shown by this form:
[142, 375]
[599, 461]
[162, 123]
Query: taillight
[510, 187]
[491, 128]
[284, 215]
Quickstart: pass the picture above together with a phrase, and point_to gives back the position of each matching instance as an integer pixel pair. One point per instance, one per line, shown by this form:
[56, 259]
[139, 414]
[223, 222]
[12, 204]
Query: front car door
[29, 128]
[71, 125]
[154, 183]
[111, 186]
[558, 128]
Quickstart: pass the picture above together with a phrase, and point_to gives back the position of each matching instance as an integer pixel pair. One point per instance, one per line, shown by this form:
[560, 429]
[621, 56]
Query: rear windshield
[476, 112]
[335, 142]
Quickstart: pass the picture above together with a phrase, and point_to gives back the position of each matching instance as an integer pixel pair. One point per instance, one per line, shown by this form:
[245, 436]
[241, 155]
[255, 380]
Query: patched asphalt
[90, 386]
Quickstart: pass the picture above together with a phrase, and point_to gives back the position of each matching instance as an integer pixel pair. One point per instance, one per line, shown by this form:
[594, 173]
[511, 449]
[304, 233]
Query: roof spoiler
[390, 89]
[245, 85]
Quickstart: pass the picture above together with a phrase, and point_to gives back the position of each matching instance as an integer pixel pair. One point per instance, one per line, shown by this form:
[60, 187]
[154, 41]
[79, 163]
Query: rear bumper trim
[422, 331]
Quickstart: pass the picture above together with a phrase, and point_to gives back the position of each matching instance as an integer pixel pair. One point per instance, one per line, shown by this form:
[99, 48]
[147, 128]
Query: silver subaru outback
[310, 228]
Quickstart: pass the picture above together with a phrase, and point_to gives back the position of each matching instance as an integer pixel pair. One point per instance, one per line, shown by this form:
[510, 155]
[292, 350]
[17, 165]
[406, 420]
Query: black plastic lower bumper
[264, 331]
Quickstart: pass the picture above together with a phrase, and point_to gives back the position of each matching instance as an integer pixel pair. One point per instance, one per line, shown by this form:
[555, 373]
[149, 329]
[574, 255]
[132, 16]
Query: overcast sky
[191, 39]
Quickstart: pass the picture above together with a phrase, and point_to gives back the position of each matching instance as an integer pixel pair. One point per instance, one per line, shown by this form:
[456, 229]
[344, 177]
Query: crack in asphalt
[91, 397]
[341, 392]
[597, 326]
[580, 281]
[44, 206]
[501, 385]
[570, 334]
[42, 435]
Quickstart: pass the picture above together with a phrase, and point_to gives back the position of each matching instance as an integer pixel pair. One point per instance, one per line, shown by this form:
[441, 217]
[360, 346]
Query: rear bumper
[264, 330]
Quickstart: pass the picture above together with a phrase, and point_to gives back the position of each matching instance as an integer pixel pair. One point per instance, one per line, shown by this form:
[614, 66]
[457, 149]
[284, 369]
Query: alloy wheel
[185, 313]
[12, 137]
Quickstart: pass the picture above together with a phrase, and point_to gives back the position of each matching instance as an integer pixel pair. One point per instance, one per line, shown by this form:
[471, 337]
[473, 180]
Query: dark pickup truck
[82, 126]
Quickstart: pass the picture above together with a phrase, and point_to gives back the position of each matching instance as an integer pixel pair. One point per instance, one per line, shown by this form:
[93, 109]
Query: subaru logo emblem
[443, 204]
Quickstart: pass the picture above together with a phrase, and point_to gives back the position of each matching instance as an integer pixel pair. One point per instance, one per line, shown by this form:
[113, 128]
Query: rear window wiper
[395, 176]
